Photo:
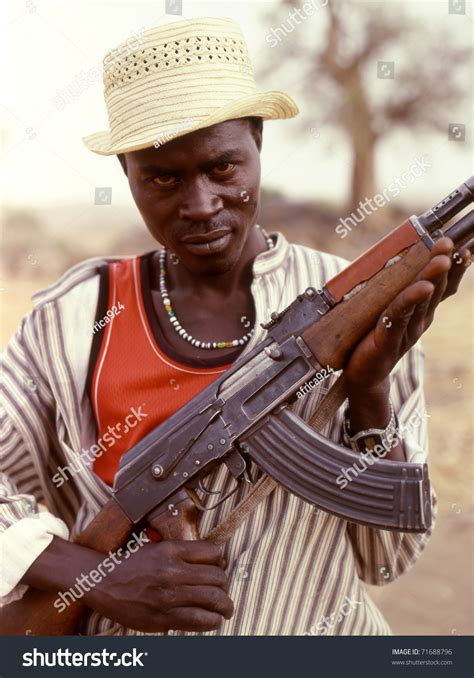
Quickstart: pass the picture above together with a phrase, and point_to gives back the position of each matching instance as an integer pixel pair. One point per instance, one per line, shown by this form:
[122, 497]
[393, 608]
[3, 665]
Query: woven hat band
[157, 104]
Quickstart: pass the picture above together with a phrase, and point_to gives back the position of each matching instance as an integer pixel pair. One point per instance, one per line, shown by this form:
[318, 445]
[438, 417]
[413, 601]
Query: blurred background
[386, 99]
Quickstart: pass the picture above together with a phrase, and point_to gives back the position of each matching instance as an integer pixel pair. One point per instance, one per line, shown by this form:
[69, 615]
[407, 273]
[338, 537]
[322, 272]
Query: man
[117, 346]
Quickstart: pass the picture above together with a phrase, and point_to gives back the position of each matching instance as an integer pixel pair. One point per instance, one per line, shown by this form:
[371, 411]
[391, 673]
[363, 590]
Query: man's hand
[398, 329]
[169, 585]
[166, 585]
[408, 316]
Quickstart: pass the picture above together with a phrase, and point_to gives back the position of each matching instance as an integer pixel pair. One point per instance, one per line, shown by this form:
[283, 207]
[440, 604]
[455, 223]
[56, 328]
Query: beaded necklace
[177, 325]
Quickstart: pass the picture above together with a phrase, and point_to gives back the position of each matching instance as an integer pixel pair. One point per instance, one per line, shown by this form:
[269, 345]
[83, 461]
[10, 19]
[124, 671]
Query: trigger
[235, 463]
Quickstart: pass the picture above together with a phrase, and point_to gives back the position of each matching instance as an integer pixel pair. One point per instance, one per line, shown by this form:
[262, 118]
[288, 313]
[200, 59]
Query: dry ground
[436, 596]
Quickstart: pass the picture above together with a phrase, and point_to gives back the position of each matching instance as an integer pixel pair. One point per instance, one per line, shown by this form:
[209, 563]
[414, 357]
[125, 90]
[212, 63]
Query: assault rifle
[245, 415]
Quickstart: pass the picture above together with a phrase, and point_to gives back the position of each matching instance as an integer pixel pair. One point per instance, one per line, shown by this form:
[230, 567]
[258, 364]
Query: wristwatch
[366, 441]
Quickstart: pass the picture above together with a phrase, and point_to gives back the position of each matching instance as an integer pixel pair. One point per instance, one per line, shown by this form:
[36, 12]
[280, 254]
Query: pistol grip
[177, 518]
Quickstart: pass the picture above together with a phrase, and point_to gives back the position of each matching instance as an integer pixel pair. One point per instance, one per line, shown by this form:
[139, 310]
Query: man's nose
[200, 203]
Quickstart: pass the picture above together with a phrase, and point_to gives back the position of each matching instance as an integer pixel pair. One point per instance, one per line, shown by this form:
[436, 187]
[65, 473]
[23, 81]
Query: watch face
[374, 443]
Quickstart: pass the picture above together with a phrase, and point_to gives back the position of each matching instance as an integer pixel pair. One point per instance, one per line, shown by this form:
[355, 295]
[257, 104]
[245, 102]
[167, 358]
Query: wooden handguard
[36, 615]
[373, 260]
[333, 338]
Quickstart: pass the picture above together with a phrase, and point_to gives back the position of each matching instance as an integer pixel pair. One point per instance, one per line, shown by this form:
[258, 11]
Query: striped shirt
[293, 569]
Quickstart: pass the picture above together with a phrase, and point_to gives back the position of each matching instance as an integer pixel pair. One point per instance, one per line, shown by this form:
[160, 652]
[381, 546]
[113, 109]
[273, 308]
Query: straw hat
[179, 78]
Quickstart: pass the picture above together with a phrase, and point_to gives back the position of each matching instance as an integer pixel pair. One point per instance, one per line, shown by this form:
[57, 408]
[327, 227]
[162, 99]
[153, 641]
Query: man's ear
[256, 128]
[123, 162]
[258, 135]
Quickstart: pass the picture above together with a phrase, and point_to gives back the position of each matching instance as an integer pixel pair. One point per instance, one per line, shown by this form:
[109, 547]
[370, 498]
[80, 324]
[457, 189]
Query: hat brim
[267, 105]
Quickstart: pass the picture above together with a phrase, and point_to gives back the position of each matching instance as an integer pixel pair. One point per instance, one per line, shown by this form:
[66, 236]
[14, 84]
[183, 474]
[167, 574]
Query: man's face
[199, 194]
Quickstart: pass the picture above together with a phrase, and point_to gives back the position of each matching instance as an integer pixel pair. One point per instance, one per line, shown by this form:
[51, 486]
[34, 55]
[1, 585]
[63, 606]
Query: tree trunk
[358, 122]
[372, 217]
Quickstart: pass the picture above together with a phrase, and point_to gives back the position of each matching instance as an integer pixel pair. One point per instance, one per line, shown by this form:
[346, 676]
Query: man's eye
[164, 180]
[222, 168]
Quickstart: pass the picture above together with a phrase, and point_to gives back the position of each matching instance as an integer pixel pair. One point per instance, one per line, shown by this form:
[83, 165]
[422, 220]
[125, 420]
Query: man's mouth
[208, 243]
[199, 238]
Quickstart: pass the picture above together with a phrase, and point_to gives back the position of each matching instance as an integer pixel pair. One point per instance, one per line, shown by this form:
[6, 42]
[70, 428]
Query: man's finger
[402, 307]
[435, 268]
[396, 318]
[436, 272]
[203, 552]
[205, 597]
[438, 294]
[421, 318]
[461, 261]
[204, 575]
[442, 246]
[196, 619]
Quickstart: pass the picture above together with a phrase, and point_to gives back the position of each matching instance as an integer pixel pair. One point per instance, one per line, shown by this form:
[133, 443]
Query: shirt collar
[269, 260]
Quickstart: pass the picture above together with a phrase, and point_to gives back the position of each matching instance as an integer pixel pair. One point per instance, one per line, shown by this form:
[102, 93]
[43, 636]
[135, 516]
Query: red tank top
[134, 386]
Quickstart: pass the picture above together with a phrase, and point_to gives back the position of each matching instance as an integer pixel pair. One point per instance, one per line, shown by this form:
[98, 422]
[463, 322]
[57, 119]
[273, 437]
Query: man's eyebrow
[155, 169]
[229, 154]
[223, 156]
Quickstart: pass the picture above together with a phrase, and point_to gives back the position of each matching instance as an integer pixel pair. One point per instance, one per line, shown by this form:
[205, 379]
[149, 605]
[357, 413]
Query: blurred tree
[348, 88]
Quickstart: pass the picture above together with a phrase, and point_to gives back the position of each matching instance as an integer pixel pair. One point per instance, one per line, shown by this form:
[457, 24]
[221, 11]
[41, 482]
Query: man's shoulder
[325, 263]
[75, 280]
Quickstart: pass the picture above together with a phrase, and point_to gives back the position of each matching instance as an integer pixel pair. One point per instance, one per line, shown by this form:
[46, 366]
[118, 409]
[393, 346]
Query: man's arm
[169, 585]
[178, 585]
[380, 555]
[397, 331]
[26, 426]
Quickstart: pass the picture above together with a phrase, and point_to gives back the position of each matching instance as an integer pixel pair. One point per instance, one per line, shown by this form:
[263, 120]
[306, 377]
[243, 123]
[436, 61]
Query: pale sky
[47, 43]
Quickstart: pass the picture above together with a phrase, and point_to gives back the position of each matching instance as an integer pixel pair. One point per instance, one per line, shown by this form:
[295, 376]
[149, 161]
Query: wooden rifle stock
[35, 613]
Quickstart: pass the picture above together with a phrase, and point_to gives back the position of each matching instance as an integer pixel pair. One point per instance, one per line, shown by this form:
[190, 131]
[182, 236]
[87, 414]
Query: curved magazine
[389, 495]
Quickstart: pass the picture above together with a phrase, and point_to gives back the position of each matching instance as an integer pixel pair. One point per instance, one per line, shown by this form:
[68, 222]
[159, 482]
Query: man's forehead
[218, 139]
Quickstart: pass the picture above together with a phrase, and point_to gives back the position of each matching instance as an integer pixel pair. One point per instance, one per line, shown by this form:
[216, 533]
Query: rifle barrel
[462, 229]
[446, 209]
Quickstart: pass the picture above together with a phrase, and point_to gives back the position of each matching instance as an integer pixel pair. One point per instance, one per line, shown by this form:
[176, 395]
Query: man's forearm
[57, 568]
[370, 408]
